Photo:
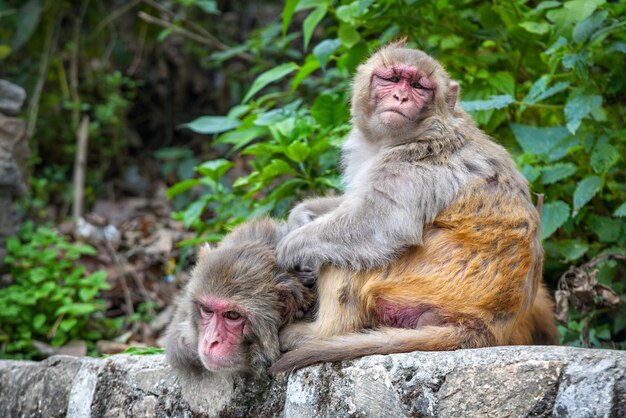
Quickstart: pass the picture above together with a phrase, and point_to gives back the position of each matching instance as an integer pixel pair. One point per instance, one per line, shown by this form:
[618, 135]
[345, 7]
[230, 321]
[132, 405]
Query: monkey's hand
[311, 209]
[294, 253]
[299, 216]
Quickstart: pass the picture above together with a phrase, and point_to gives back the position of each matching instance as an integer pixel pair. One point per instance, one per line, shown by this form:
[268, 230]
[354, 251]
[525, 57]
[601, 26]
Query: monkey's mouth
[393, 110]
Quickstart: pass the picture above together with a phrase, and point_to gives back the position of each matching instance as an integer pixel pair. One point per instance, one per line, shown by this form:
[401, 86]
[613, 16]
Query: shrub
[51, 299]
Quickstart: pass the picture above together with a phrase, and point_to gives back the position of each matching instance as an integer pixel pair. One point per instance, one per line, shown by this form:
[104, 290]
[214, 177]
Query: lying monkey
[229, 313]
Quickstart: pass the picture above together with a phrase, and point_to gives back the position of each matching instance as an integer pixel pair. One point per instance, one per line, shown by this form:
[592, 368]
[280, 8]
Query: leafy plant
[51, 299]
[545, 79]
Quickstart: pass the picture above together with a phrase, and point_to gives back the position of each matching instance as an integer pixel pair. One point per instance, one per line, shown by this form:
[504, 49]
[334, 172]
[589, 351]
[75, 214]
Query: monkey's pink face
[221, 334]
[401, 93]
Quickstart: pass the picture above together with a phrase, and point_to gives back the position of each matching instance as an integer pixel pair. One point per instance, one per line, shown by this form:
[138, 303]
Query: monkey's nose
[400, 97]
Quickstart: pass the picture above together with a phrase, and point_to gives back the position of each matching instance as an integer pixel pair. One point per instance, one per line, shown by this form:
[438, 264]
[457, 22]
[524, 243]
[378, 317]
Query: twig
[52, 36]
[539, 203]
[121, 261]
[592, 263]
[122, 275]
[139, 52]
[198, 29]
[115, 15]
[210, 42]
[78, 22]
[160, 22]
[80, 165]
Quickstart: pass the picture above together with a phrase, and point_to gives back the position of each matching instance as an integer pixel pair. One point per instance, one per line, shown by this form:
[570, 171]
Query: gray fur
[396, 184]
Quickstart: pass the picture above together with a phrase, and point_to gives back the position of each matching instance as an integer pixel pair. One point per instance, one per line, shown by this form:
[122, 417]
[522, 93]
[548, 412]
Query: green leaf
[311, 64]
[585, 191]
[208, 6]
[298, 151]
[39, 320]
[28, 18]
[348, 13]
[241, 137]
[538, 140]
[553, 217]
[494, 102]
[607, 229]
[85, 294]
[5, 51]
[451, 42]
[268, 77]
[620, 211]
[531, 172]
[181, 187]
[311, 22]
[277, 168]
[348, 35]
[583, 30]
[286, 189]
[536, 27]
[329, 110]
[69, 323]
[215, 169]
[288, 10]
[578, 108]
[193, 212]
[539, 90]
[77, 309]
[552, 174]
[324, 50]
[572, 249]
[603, 157]
[212, 124]
[572, 12]
[503, 82]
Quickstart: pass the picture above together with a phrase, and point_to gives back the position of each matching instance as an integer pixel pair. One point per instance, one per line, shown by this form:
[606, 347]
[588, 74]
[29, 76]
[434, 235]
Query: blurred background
[131, 131]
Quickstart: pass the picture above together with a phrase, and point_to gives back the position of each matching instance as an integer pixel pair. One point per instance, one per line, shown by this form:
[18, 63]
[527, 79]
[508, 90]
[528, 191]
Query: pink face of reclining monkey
[222, 329]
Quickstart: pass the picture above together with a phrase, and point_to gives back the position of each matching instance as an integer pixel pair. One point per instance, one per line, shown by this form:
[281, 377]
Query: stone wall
[498, 382]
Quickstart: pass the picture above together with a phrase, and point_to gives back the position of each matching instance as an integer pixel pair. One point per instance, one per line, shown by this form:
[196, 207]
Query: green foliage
[51, 298]
[546, 79]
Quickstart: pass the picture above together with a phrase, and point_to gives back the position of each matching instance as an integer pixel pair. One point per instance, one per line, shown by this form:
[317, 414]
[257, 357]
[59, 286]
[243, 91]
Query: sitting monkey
[435, 244]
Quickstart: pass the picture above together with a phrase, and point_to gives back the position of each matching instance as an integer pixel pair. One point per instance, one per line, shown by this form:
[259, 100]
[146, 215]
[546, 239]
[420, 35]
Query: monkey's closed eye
[204, 310]
[232, 315]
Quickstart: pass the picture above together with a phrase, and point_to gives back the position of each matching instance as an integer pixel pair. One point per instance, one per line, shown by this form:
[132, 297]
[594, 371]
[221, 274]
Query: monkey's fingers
[306, 275]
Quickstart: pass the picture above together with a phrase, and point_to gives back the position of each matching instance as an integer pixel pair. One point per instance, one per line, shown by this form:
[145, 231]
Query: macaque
[228, 315]
[435, 244]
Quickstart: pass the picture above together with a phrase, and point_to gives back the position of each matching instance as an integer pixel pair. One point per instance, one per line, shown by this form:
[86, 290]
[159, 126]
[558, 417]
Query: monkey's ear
[204, 251]
[453, 94]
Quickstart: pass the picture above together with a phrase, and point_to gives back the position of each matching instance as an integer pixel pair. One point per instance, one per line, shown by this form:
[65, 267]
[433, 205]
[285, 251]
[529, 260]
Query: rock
[501, 381]
[14, 154]
[12, 98]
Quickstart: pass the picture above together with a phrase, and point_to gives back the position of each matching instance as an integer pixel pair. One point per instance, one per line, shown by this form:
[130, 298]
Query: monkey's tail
[381, 341]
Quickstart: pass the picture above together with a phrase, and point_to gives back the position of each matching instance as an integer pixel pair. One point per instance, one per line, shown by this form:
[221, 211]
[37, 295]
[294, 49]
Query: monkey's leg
[338, 310]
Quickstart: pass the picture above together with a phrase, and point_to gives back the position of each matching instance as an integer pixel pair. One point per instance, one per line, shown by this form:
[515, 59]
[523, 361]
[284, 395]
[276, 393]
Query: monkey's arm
[181, 342]
[376, 221]
[312, 209]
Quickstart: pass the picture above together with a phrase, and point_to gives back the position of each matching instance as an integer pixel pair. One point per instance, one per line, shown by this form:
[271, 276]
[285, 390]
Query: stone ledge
[501, 381]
